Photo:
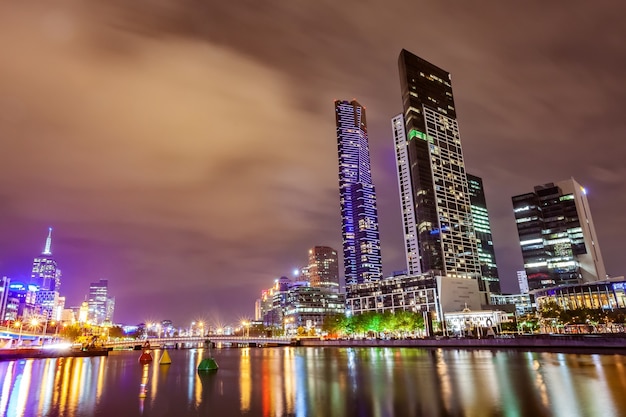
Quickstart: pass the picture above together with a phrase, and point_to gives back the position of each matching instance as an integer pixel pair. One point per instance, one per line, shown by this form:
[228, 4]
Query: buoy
[165, 358]
[207, 365]
[145, 357]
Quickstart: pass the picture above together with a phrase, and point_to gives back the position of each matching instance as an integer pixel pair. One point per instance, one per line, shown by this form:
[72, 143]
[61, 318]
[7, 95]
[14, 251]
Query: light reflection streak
[143, 386]
[245, 382]
[101, 379]
[196, 381]
[444, 378]
[540, 383]
[20, 388]
[48, 384]
[290, 378]
[6, 385]
[66, 381]
[155, 373]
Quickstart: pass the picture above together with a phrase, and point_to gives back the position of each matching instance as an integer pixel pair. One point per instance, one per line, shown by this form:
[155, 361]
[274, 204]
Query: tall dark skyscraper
[489, 280]
[359, 217]
[435, 198]
[557, 235]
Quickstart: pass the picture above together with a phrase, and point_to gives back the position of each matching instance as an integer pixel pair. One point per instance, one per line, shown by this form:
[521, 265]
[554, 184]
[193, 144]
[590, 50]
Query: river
[316, 381]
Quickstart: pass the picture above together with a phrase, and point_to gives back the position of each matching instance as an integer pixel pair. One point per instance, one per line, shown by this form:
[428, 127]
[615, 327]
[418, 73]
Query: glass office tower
[435, 197]
[557, 235]
[489, 280]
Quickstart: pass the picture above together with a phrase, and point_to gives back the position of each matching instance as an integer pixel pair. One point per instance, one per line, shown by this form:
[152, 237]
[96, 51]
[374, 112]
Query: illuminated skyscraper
[45, 274]
[489, 280]
[323, 268]
[98, 298]
[438, 227]
[557, 235]
[359, 217]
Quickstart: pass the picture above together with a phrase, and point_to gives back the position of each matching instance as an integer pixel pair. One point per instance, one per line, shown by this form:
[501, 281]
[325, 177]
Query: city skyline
[132, 144]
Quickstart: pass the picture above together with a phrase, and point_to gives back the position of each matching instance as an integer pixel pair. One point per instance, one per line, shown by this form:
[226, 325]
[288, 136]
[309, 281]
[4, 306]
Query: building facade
[557, 235]
[425, 293]
[289, 305]
[4, 296]
[306, 308]
[359, 216]
[431, 172]
[323, 268]
[45, 273]
[522, 281]
[606, 294]
[489, 279]
[97, 302]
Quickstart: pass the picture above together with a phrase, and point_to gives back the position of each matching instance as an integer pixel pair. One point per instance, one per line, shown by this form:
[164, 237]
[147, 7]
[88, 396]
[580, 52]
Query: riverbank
[37, 353]
[587, 343]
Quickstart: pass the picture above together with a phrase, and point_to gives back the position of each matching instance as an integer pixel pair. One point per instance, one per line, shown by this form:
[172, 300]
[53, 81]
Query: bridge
[200, 340]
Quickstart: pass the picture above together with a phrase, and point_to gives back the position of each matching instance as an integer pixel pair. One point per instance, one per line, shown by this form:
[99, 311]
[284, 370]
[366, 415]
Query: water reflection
[275, 382]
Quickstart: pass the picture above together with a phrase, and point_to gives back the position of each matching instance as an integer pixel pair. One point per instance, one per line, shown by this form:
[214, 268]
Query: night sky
[186, 151]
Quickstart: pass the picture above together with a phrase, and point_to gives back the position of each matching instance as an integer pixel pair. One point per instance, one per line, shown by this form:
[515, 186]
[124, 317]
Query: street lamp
[246, 328]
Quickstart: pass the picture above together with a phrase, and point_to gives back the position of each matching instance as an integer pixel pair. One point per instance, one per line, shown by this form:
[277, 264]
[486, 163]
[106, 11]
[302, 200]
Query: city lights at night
[352, 208]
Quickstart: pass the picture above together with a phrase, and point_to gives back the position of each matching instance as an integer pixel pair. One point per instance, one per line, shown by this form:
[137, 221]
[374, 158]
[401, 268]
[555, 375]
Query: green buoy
[207, 365]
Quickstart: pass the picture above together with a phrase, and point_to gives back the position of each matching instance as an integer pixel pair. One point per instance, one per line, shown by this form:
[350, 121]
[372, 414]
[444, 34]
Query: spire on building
[46, 250]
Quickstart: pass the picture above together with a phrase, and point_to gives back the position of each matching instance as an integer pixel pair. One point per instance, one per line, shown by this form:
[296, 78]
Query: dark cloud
[185, 150]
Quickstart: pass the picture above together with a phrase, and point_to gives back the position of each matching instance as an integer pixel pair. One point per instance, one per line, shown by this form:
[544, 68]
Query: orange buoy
[145, 357]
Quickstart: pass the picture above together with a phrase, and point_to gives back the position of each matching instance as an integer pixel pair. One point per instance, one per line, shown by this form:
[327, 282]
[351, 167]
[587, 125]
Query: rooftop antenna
[46, 250]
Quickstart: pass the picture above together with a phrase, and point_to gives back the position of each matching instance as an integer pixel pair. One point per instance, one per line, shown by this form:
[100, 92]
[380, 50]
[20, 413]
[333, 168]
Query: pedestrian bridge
[196, 340]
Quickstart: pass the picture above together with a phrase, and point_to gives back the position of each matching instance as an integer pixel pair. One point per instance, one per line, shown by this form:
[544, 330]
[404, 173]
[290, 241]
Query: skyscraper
[359, 217]
[489, 280]
[431, 172]
[323, 268]
[97, 303]
[557, 235]
[45, 274]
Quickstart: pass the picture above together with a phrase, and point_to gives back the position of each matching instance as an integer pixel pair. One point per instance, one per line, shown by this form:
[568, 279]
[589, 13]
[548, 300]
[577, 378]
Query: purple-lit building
[47, 277]
[359, 216]
[45, 274]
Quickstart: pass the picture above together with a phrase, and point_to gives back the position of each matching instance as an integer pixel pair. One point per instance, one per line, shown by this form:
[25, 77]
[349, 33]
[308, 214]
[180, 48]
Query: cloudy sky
[186, 150]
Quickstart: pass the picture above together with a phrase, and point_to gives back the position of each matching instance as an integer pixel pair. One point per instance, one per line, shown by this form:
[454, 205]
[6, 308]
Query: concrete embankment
[586, 343]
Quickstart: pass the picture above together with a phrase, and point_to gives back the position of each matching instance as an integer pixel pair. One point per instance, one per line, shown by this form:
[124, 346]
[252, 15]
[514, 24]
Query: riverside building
[359, 216]
[435, 197]
[557, 235]
[489, 279]
[323, 268]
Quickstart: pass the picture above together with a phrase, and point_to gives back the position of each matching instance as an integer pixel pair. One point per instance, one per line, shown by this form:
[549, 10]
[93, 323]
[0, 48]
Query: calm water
[320, 382]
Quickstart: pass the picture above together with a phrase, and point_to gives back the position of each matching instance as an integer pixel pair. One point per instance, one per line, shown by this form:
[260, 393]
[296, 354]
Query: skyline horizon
[186, 162]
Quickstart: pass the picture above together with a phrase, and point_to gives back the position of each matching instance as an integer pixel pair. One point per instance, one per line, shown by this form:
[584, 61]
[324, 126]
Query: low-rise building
[608, 294]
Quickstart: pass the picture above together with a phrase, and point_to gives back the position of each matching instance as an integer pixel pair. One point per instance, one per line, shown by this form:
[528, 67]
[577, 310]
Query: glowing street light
[20, 325]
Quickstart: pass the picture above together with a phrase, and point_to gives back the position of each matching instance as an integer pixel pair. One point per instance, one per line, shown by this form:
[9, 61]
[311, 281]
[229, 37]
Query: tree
[334, 325]
[116, 332]
[551, 314]
[71, 332]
